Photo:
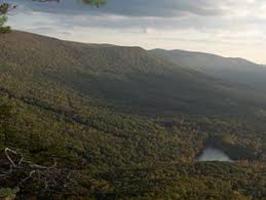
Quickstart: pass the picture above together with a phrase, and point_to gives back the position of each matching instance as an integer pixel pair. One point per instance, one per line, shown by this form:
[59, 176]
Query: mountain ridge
[150, 49]
[122, 76]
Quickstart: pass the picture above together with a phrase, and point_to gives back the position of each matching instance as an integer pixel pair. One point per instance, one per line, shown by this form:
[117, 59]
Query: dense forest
[85, 121]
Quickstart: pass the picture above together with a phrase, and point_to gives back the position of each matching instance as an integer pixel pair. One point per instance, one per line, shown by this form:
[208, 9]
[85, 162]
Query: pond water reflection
[212, 154]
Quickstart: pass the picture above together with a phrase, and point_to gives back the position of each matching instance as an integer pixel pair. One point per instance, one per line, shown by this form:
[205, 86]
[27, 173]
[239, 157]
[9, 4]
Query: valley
[127, 123]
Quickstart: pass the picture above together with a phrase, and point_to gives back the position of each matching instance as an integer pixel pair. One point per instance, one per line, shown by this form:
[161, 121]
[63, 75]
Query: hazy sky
[234, 28]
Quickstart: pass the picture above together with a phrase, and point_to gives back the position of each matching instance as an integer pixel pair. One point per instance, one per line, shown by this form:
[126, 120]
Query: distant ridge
[191, 53]
[235, 70]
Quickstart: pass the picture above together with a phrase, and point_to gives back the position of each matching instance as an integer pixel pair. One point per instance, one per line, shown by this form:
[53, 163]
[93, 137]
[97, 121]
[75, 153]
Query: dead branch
[28, 177]
[49, 177]
[9, 158]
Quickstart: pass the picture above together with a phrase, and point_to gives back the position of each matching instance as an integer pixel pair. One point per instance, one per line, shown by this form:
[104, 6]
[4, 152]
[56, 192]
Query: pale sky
[235, 28]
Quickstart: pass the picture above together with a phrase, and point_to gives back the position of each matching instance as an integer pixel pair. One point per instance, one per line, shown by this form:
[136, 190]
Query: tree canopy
[4, 9]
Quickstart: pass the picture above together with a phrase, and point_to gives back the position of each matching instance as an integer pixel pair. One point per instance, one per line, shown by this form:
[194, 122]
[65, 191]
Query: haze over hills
[126, 123]
[235, 70]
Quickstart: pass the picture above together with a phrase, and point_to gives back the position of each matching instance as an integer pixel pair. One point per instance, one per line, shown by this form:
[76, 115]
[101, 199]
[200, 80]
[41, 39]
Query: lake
[212, 154]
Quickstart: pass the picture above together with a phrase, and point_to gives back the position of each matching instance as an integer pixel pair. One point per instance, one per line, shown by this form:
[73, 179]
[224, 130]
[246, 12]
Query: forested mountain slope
[126, 77]
[119, 123]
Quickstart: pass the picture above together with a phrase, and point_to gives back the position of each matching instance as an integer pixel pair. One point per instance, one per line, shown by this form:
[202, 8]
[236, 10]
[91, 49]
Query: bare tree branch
[51, 178]
[9, 158]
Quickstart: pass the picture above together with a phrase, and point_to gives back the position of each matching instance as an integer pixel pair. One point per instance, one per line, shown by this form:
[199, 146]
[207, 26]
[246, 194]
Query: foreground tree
[4, 9]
